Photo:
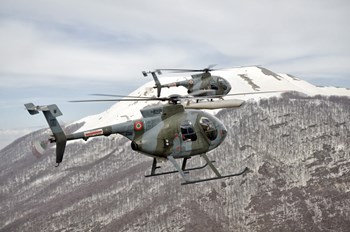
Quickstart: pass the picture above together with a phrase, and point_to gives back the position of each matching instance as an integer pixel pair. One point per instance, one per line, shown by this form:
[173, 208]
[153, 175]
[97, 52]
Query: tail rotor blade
[39, 148]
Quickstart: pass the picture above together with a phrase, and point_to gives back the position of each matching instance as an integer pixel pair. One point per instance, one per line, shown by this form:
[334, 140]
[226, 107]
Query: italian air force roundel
[138, 125]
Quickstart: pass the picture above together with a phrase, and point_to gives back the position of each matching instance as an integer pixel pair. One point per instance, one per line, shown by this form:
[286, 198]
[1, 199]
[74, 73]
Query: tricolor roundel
[138, 125]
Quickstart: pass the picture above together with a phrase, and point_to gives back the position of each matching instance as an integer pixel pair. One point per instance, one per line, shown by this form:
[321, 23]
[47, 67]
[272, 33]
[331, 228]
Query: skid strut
[217, 173]
[183, 170]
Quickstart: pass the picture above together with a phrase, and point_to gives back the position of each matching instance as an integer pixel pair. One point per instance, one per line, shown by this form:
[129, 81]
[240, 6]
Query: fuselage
[204, 85]
[166, 130]
[218, 85]
[182, 134]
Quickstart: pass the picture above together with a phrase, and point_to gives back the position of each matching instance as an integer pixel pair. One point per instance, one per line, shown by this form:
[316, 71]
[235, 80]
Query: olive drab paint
[201, 84]
[165, 132]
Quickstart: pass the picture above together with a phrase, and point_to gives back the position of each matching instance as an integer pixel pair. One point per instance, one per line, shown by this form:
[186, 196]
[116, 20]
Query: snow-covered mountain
[243, 80]
[296, 147]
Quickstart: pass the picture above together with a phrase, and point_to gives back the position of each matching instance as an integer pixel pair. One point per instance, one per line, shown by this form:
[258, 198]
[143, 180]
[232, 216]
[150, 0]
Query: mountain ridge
[243, 80]
[296, 147]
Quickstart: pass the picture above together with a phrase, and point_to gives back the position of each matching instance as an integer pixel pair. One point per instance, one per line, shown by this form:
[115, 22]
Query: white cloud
[112, 39]
[31, 55]
[48, 47]
[10, 135]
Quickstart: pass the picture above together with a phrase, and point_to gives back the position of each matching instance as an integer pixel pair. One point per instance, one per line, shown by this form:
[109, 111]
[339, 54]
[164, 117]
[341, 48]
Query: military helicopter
[166, 132]
[201, 84]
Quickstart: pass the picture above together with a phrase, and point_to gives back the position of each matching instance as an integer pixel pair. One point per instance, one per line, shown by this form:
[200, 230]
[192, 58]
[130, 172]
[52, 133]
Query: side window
[209, 129]
[187, 131]
[213, 85]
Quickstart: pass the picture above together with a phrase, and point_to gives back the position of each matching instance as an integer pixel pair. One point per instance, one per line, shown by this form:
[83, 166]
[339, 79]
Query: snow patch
[257, 79]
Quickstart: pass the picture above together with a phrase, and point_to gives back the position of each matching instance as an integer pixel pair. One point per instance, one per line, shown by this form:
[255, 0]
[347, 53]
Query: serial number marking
[93, 133]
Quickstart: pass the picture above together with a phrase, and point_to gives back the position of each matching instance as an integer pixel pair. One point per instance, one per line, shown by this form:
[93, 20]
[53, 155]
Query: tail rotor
[39, 148]
[155, 78]
[50, 112]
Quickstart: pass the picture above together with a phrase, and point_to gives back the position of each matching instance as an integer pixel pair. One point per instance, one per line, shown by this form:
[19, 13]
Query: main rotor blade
[122, 99]
[211, 66]
[136, 98]
[233, 103]
[250, 93]
[115, 95]
[207, 69]
[176, 70]
[237, 94]
[190, 96]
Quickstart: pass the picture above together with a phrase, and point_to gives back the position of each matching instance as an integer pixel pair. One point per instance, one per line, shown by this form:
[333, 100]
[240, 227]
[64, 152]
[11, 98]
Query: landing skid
[183, 170]
[215, 178]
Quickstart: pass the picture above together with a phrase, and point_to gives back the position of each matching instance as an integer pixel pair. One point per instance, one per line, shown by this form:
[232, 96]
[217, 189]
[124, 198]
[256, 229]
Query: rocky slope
[296, 147]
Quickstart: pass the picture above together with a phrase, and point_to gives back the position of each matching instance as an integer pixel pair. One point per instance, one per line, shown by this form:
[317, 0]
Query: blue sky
[56, 51]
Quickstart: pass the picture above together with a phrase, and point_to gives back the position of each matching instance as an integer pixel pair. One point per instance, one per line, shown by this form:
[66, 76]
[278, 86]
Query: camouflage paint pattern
[203, 81]
[163, 131]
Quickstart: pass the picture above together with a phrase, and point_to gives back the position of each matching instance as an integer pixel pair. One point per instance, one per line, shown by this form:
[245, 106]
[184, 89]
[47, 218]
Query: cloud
[34, 58]
[110, 38]
[9, 135]
[54, 51]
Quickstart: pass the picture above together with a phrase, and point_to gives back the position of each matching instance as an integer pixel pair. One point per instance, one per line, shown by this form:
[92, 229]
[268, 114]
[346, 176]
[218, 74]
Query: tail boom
[60, 138]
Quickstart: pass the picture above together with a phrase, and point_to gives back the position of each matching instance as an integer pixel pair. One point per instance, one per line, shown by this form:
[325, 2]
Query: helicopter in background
[166, 132]
[201, 84]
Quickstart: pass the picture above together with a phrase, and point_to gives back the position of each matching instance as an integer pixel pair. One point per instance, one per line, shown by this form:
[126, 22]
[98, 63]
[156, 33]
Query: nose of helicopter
[223, 131]
[224, 85]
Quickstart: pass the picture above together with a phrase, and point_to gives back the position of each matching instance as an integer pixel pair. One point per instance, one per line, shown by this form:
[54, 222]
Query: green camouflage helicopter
[166, 132]
[201, 84]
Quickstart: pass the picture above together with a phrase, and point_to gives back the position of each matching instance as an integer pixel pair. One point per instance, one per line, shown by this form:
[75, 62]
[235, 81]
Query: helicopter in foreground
[201, 84]
[167, 132]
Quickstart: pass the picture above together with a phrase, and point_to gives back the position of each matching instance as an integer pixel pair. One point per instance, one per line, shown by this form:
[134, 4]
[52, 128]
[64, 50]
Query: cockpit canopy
[222, 83]
[214, 86]
[189, 134]
[187, 131]
[209, 128]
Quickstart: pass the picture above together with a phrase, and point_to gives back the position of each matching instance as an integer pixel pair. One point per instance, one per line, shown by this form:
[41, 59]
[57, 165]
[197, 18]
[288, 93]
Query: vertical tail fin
[159, 86]
[51, 112]
[156, 80]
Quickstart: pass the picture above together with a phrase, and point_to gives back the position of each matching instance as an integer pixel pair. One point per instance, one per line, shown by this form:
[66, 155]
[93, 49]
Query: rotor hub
[174, 99]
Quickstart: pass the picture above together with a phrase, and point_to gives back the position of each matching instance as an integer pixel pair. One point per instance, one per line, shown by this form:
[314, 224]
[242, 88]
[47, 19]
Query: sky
[59, 50]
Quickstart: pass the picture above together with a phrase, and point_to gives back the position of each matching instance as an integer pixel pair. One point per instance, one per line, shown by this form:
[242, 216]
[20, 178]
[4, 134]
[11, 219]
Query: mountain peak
[243, 79]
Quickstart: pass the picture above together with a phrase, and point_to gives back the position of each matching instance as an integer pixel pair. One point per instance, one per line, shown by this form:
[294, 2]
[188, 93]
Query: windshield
[209, 128]
[222, 83]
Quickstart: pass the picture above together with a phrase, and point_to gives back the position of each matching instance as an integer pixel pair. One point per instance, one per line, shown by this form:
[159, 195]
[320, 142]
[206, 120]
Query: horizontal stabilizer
[33, 109]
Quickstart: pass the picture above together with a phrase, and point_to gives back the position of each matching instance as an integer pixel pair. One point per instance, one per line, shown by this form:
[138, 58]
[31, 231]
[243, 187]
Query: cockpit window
[209, 128]
[187, 131]
[213, 85]
[222, 83]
